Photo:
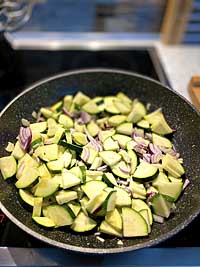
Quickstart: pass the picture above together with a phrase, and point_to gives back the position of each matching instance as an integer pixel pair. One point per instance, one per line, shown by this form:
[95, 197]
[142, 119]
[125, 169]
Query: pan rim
[98, 250]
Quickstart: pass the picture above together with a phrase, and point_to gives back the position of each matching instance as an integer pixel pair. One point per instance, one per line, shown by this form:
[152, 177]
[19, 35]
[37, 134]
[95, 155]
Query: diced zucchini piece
[56, 165]
[18, 151]
[138, 205]
[158, 122]
[67, 157]
[79, 138]
[162, 177]
[161, 126]
[103, 135]
[91, 107]
[145, 170]
[93, 175]
[114, 219]
[110, 106]
[69, 179]
[161, 141]
[26, 196]
[137, 113]
[122, 198]
[83, 223]
[110, 201]
[46, 187]
[138, 190]
[58, 135]
[96, 163]
[29, 175]
[75, 207]
[28, 161]
[65, 196]
[145, 215]
[39, 127]
[93, 128]
[134, 160]
[47, 113]
[161, 205]
[94, 203]
[123, 108]
[47, 152]
[8, 166]
[72, 147]
[110, 144]
[125, 128]
[118, 168]
[80, 99]
[44, 172]
[108, 229]
[116, 120]
[44, 221]
[93, 188]
[67, 101]
[66, 121]
[109, 179]
[124, 98]
[57, 106]
[37, 207]
[170, 189]
[172, 166]
[143, 124]
[126, 157]
[60, 215]
[134, 225]
[109, 157]
[122, 139]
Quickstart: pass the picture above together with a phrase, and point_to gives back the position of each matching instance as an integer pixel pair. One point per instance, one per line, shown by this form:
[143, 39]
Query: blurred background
[40, 38]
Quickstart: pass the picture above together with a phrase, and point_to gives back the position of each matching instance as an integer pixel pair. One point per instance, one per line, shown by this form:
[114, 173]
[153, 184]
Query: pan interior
[180, 115]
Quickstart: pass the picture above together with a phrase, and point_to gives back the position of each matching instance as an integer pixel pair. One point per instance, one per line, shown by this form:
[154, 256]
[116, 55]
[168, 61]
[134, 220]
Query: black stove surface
[18, 69]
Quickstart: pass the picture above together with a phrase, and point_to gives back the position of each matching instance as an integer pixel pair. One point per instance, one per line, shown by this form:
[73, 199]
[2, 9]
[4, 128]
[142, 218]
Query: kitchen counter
[180, 64]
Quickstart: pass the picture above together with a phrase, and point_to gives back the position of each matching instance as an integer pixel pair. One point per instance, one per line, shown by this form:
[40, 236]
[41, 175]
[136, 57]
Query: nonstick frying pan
[180, 115]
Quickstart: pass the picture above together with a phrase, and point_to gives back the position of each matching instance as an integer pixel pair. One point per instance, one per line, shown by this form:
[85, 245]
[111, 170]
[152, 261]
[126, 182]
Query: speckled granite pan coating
[179, 114]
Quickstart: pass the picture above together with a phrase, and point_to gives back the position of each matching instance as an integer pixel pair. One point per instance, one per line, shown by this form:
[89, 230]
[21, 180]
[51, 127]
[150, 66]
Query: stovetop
[18, 69]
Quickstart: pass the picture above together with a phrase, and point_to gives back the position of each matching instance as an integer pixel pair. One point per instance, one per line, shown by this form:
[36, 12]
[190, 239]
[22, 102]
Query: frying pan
[180, 115]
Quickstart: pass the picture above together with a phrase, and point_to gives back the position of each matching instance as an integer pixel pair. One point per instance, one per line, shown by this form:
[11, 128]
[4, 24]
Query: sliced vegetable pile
[99, 163]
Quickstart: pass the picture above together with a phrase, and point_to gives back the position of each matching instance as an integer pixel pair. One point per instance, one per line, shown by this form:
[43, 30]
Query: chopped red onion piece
[122, 182]
[186, 183]
[85, 117]
[25, 137]
[86, 153]
[147, 158]
[151, 194]
[126, 169]
[128, 190]
[155, 158]
[139, 149]
[148, 136]
[70, 114]
[154, 149]
[103, 168]
[21, 167]
[137, 133]
[158, 219]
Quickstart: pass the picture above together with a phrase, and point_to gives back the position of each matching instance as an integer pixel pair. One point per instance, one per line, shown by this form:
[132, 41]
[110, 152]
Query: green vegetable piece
[83, 223]
[66, 121]
[172, 166]
[8, 166]
[137, 113]
[134, 225]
